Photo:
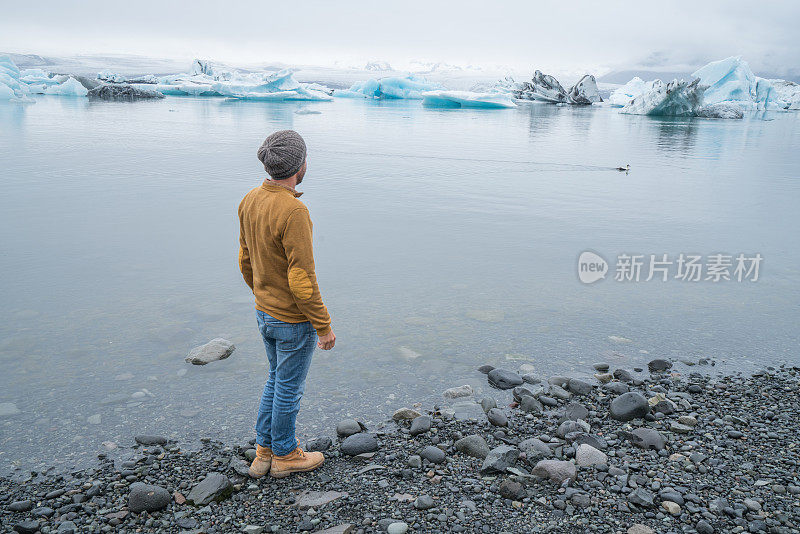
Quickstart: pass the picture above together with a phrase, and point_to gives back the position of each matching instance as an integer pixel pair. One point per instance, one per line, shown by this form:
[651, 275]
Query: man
[277, 262]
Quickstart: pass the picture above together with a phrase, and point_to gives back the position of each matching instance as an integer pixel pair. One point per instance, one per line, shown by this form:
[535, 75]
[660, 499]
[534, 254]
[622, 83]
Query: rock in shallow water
[147, 498]
[456, 393]
[504, 379]
[216, 349]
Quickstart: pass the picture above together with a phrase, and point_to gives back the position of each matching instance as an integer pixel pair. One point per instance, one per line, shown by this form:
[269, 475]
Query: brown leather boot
[261, 463]
[296, 461]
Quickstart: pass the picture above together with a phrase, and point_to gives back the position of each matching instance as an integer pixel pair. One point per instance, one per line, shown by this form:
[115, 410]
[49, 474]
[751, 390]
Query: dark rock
[147, 498]
[504, 379]
[27, 527]
[497, 417]
[435, 455]
[67, 527]
[641, 497]
[424, 502]
[629, 406]
[530, 405]
[320, 444]
[574, 411]
[20, 506]
[359, 444]
[473, 445]
[535, 450]
[647, 438]
[150, 440]
[485, 369]
[510, 489]
[623, 376]
[214, 488]
[43, 511]
[555, 470]
[583, 438]
[658, 365]
[579, 387]
[420, 425]
[487, 403]
[348, 427]
[618, 388]
[499, 459]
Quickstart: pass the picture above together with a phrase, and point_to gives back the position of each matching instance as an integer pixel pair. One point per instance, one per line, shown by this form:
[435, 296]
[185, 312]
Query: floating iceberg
[10, 86]
[466, 99]
[109, 76]
[584, 92]
[542, 87]
[71, 87]
[731, 81]
[399, 87]
[122, 91]
[506, 86]
[679, 99]
[621, 96]
[378, 65]
[788, 92]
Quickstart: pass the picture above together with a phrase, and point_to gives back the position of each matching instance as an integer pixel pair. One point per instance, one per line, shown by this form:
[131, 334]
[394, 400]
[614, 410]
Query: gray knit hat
[282, 154]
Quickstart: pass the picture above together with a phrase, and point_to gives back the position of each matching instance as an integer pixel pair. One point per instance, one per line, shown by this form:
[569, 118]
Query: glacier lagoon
[445, 239]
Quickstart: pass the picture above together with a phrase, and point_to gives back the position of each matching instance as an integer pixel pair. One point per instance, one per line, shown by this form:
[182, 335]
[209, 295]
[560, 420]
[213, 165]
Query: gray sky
[552, 36]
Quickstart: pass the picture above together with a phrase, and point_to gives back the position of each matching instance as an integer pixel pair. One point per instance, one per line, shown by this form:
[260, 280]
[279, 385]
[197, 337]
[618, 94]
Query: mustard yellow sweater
[276, 256]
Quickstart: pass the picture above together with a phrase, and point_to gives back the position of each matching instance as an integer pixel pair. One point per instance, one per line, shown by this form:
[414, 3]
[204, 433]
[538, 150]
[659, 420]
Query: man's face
[301, 173]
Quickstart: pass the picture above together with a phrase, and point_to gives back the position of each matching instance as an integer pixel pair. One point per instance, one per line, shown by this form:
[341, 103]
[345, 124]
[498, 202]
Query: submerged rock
[123, 92]
[216, 349]
[504, 379]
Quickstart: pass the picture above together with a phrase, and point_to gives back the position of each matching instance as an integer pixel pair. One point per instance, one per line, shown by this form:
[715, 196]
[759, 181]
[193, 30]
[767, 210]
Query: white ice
[621, 96]
[467, 99]
[400, 87]
[71, 87]
[788, 92]
[679, 98]
[731, 81]
[584, 92]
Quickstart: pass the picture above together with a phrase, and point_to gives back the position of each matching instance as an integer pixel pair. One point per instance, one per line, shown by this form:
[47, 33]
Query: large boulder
[147, 498]
[215, 487]
[504, 379]
[216, 349]
[629, 406]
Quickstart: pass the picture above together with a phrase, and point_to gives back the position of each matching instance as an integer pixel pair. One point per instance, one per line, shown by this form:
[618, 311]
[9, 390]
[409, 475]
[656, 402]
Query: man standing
[277, 262]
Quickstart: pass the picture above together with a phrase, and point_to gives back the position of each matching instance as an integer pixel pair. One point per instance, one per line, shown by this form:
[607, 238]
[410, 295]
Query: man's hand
[327, 341]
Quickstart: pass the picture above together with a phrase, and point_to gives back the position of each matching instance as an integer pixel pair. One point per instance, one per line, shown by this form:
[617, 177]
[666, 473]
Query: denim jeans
[289, 349]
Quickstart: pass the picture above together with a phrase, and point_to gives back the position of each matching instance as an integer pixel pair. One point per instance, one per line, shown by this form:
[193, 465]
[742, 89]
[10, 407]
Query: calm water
[444, 240]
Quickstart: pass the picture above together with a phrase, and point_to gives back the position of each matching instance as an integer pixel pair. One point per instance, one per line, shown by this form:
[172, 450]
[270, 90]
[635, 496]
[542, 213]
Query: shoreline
[701, 454]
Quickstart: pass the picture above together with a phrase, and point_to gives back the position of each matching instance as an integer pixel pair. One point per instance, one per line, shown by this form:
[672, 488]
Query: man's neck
[288, 183]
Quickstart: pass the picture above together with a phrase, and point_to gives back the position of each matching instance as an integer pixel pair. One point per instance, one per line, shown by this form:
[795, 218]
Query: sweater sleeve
[244, 255]
[297, 243]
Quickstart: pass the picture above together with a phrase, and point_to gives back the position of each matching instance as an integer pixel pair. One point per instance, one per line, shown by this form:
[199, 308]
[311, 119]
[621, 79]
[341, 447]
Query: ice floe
[467, 99]
[788, 92]
[399, 87]
[679, 98]
[542, 87]
[731, 80]
[621, 96]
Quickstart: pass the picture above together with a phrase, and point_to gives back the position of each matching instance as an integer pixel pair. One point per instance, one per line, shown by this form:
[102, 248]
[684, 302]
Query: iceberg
[506, 86]
[122, 91]
[10, 86]
[71, 87]
[399, 87]
[584, 92]
[621, 96]
[542, 87]
[788, 92]
[466, 99]
[109, 76]
[730, 80]
[679, 99]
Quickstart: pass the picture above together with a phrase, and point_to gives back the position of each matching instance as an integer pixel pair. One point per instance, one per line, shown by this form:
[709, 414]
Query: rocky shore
[636, 452]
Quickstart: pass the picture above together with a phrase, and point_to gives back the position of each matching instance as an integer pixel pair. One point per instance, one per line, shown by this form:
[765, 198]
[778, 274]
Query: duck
[626, 168]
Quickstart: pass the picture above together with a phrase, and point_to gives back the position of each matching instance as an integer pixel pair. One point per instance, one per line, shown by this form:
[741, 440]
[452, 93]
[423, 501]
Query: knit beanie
[282, 153]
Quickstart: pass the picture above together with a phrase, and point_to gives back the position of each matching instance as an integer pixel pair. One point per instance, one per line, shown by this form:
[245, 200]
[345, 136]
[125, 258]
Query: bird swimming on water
[626, 168]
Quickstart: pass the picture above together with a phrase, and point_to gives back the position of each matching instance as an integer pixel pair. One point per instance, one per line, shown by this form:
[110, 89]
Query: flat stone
[215, 487]
[405, 414]
[398, 527]
[679, 428]
[459, 392]
[579, 387]
[20, 506]
[317, 499]
[499, 459]
[150, 440]
[638, 528]
[641, 497]
[344, 528]
[147, 498]
[253, 529]
[27, 527]
[535, 449]
[216, 349]
[648, 438]
[424, 502]
[659, 365]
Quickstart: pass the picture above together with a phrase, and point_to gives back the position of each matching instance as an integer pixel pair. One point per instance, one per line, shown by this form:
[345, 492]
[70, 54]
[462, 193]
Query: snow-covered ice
[467, 99]
[788, 92]
[71, 87]
[730, 80]
[621, 96]
[400, 87]
[584, 92]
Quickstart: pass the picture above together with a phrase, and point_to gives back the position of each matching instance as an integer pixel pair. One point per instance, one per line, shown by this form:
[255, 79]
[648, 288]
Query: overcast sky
[555, 36]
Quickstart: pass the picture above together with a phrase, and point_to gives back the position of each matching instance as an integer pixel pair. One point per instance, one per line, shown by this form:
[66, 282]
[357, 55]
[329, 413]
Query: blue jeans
[289, 349]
